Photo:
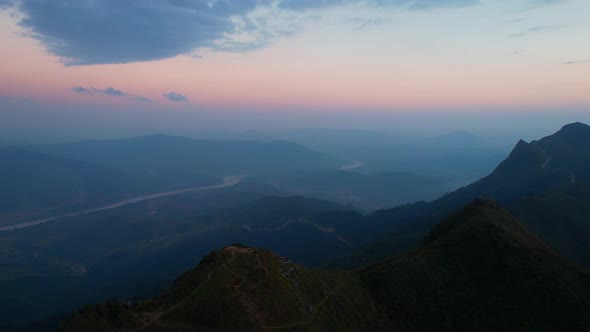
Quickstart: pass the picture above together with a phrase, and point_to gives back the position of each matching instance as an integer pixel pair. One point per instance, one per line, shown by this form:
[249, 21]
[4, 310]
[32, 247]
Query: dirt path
[546, 163]
[318, 227]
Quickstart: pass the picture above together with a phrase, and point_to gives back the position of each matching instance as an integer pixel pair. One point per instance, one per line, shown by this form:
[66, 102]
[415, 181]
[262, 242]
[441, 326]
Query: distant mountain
[145, 242]
[455, 165]
[556, 167]
[328, 139]
[181, 160]
[456, 140]
[369, 191]
[34, 184]
[550, 163]
[479, 270]
[5, 143]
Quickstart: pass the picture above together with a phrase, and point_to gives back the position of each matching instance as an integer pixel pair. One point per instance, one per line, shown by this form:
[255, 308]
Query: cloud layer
[576, 62]
[114, 31]
[109, 91]
[176, 97]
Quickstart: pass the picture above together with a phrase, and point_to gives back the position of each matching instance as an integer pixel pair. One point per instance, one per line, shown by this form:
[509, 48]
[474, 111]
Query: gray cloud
[579, 62]
[6, 3]
[432, 4]
[547, 2]
[110, 91]
[142, 99]
[82, 90]
[535, 4]
[175, 97]
[542, 28]
[408, 4]
[115, 31]
[362, 24]
[538, 29]
[515, 20]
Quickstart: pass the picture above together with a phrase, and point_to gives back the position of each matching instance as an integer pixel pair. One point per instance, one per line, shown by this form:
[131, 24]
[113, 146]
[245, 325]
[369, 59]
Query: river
[228, 181]
[354, 165]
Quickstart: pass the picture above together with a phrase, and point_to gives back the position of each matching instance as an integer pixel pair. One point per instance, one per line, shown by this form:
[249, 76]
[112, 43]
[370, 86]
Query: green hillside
[478, 270]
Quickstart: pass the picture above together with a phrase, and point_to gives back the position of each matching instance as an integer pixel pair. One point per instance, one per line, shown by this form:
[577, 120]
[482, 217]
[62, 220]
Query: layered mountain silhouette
[544, 184]
[478, 270]
[181, 159]
[550, 175]
[548, 164]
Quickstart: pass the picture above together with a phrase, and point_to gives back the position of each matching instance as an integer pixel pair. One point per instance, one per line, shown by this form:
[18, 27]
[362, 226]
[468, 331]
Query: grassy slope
[478, 270]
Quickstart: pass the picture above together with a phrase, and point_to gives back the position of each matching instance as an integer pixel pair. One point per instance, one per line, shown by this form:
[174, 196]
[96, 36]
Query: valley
[134, 248]
[294, 165]
[228, 181]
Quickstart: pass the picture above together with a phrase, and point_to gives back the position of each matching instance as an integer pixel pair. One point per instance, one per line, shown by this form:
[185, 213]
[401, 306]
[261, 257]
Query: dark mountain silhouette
[548, 164]
[557, 166]
[478, 270]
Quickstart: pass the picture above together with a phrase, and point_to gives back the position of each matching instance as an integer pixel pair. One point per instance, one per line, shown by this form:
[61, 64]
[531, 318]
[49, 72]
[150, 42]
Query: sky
[102, 67]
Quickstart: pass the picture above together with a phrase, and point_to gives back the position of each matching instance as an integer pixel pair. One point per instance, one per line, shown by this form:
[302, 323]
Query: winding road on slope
[573, 180]
[548, 160]
[228, 181]
[303, 221]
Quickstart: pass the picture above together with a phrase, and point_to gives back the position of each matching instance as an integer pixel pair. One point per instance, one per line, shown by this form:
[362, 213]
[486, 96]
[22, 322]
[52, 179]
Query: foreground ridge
[478, 269]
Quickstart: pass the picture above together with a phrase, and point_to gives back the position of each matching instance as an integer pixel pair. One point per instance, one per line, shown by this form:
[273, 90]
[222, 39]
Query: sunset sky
[101, 56]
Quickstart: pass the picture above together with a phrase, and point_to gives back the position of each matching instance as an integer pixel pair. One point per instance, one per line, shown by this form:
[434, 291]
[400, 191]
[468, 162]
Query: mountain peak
[521, 143]
[576, 125]
[483, 220]
[575, 129]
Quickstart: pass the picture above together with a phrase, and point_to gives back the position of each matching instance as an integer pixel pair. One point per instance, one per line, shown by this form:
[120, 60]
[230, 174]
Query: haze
[294, 165]
[98, 69]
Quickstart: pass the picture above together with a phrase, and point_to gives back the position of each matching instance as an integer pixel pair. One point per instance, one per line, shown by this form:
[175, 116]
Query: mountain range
[179, 159]
[45, 181]
[551, 172]
[478, 270]
[135, 251]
